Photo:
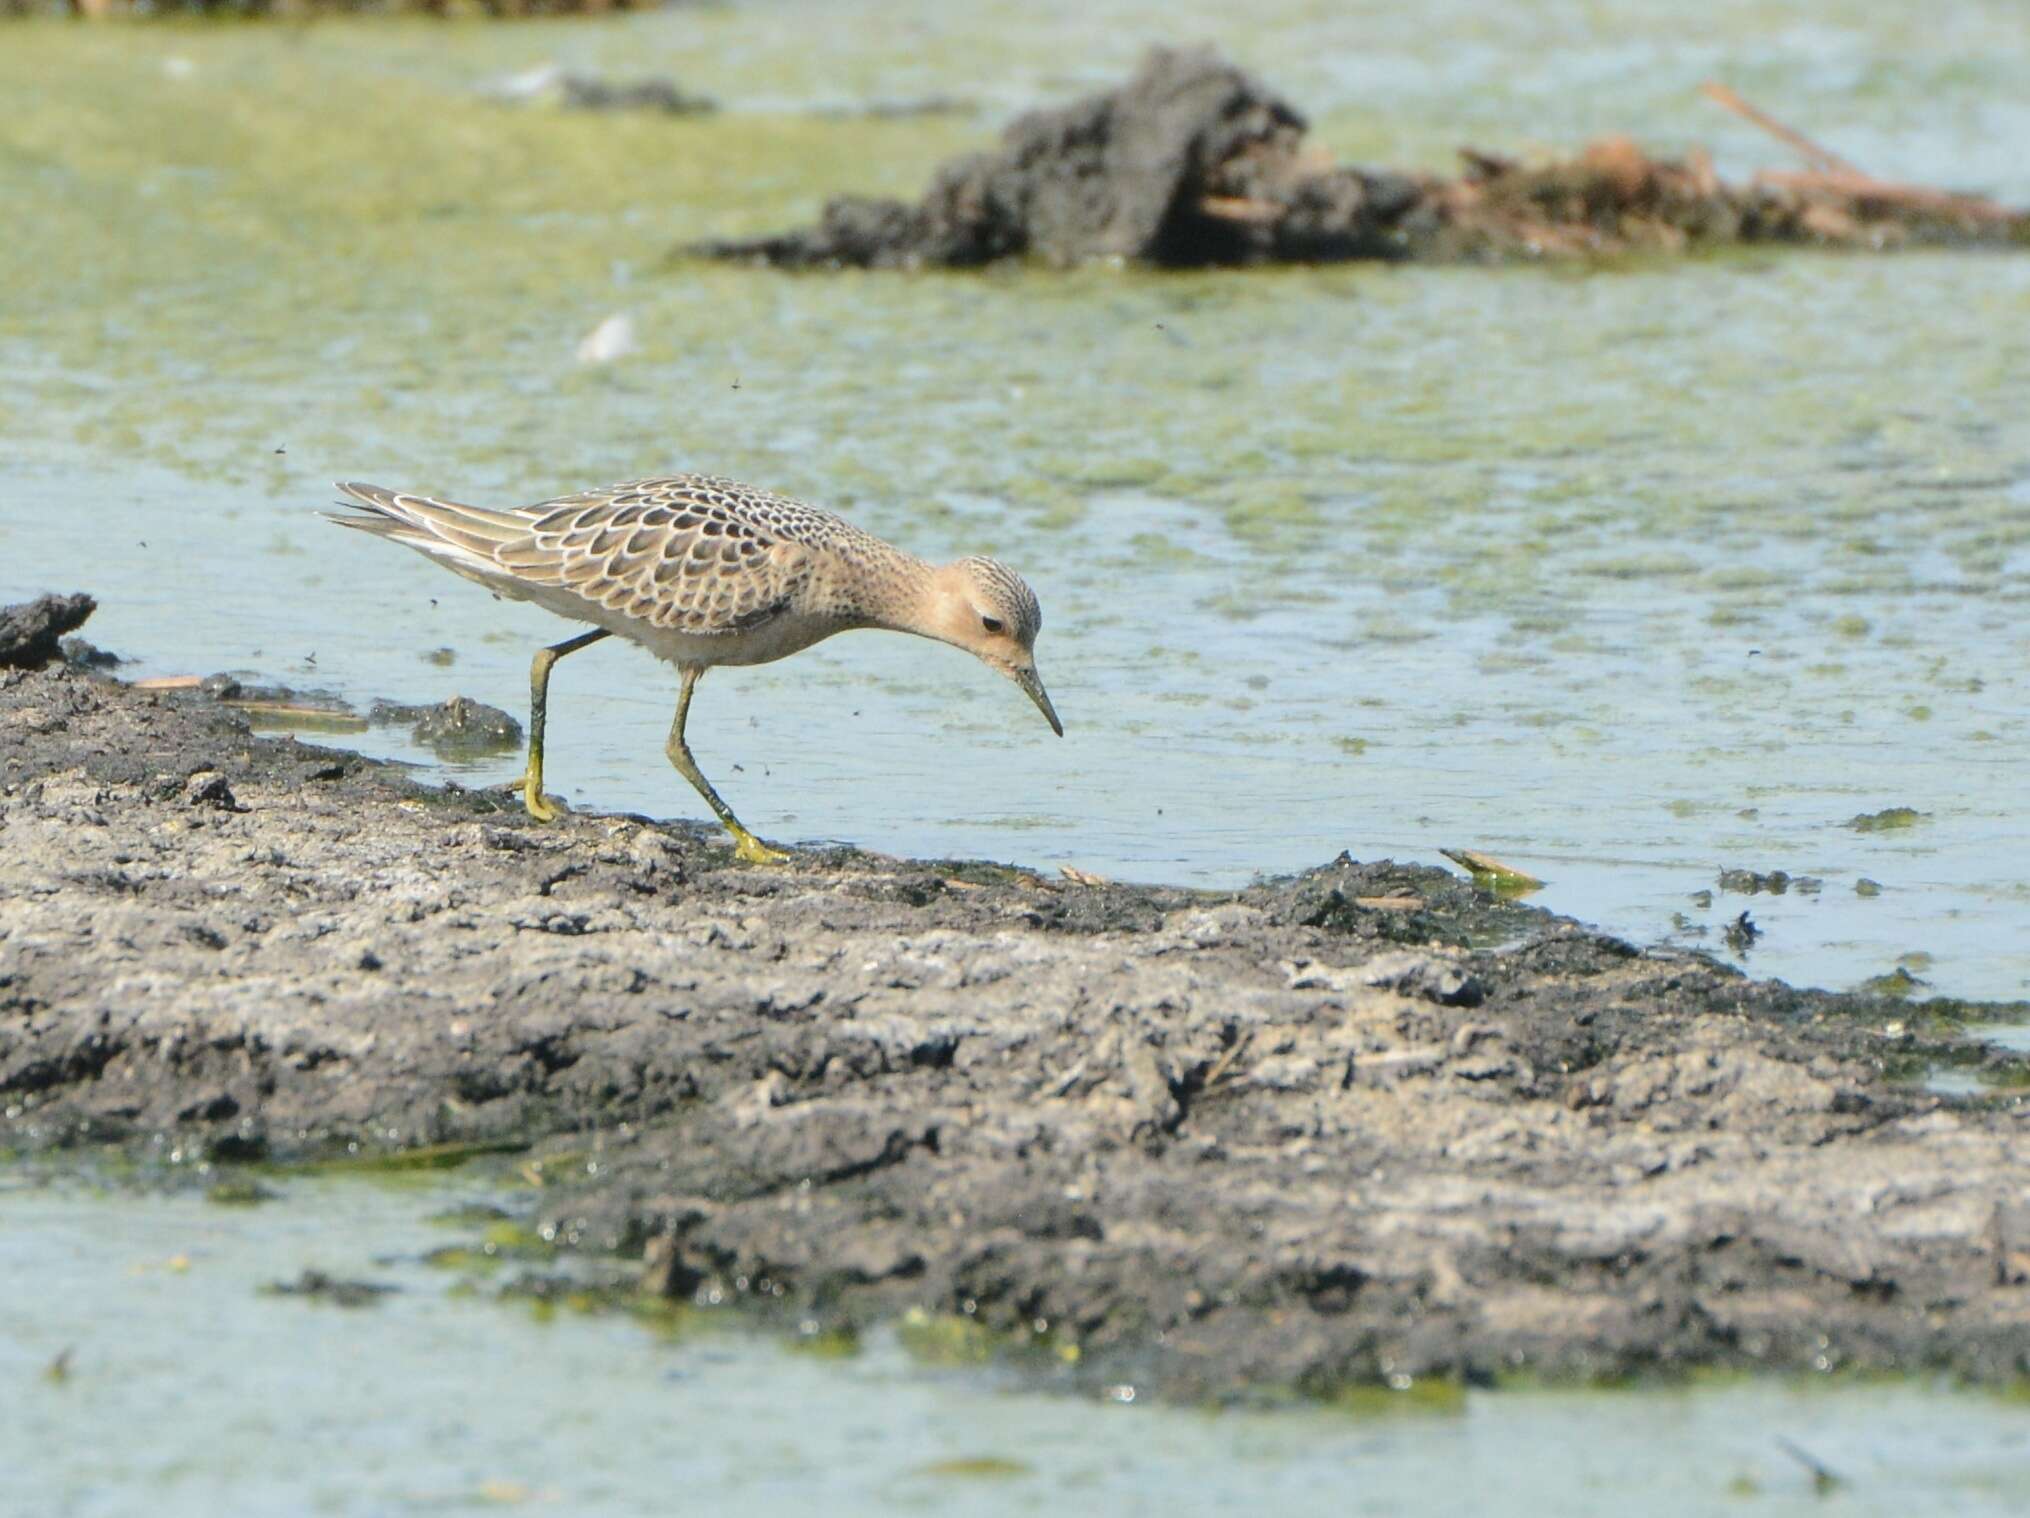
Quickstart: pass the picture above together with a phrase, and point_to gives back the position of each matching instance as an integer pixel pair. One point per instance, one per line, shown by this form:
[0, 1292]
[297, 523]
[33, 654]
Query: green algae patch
[1951, 1017]
[504, 1241]
[1425, 1396]
[955, 1340]
[1772, 882]
[555, 1168]
[240, 1191]
[666, 1319]
[837, 1342]
[426, 1159]
[470, 1215]
[976, 1468]
[1888, 820]
[546, 1293]
[464, 1259]
[945, 1339]
[1898, 984]
[517, 1241]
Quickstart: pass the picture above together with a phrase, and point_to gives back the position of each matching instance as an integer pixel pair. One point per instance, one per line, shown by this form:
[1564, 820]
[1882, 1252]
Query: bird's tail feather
[445, 529]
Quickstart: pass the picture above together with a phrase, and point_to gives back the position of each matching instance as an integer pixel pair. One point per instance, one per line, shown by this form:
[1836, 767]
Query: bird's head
[984, 607]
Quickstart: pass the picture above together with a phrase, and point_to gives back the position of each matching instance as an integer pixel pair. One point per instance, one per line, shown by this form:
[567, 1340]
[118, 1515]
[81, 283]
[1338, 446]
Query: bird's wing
[690, 554]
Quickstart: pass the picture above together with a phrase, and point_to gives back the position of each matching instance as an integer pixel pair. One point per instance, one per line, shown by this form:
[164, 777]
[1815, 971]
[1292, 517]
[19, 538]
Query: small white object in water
[525, 86]
[611, 339]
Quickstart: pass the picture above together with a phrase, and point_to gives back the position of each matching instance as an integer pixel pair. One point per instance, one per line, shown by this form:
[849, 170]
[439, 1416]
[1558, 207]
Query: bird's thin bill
[1030, 682]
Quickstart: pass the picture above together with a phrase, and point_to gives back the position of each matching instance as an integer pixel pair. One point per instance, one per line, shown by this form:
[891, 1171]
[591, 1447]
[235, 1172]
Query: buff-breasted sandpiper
[703, 571]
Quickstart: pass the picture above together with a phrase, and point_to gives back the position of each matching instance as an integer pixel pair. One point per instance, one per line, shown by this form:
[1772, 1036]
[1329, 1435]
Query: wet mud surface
[1365, 1124]
[1194, 162]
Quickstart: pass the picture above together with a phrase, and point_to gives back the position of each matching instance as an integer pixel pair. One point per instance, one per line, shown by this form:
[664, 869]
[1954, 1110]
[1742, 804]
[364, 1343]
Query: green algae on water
[835, 1342]
[945, 1339]
[1899, 983]
[424, 1158]
[1417, 1396]
[959, 1339]
[240, 1191]
[470, 1215]
[977, 1468]
[504, 1240]
[1888, 820]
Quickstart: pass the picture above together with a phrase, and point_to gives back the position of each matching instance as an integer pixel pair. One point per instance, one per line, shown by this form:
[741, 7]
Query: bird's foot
[751, 850]
[541, 807]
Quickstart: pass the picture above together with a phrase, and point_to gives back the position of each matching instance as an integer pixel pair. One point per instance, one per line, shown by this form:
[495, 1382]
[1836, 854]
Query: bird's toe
[751, 850]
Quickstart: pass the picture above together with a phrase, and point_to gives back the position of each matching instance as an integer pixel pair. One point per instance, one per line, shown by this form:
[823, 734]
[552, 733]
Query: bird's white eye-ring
[991, 624]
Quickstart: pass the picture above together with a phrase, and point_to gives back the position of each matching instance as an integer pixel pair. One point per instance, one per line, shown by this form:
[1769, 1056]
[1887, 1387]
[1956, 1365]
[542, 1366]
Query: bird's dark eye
[992, 624]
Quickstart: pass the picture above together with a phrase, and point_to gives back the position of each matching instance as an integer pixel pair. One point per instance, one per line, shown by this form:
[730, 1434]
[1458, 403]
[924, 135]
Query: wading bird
[703, 571]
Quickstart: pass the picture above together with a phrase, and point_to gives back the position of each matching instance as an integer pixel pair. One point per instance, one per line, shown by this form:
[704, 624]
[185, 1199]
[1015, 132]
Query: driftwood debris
[1832, 175]
[1192, 162]
[1812, 153]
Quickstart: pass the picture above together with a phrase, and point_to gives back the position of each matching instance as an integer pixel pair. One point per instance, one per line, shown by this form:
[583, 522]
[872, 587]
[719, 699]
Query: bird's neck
[893, 590]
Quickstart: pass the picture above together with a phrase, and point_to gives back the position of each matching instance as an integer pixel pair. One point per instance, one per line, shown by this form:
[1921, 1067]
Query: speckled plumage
[692, 555]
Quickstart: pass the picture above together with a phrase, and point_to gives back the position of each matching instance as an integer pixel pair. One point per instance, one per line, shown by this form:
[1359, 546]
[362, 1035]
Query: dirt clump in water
[571, 91]
[1194, 162]
[460, 728]
[1363, 1125]
[32, 633]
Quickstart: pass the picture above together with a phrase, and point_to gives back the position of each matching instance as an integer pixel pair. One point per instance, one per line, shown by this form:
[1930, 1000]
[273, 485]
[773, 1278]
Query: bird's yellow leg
[746, 846]
[541, 807]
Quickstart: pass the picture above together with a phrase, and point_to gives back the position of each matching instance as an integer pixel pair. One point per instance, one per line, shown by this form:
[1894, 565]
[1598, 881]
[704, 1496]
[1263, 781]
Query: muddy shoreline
[1362, 1125]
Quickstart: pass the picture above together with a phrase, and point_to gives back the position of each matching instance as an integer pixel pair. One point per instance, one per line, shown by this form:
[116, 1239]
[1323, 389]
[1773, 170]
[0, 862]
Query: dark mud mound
[31, 634]
[1193, 162]
[1366, 1124]
[1149, 171]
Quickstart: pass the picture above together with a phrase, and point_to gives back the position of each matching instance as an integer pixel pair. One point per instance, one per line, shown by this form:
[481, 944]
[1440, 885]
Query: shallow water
[429, 1402]
[1626, 576]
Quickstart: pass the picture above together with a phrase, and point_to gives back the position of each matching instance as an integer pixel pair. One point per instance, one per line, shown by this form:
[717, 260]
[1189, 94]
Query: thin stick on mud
[1833, 175]
[1822, 158]
[1887, 192]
